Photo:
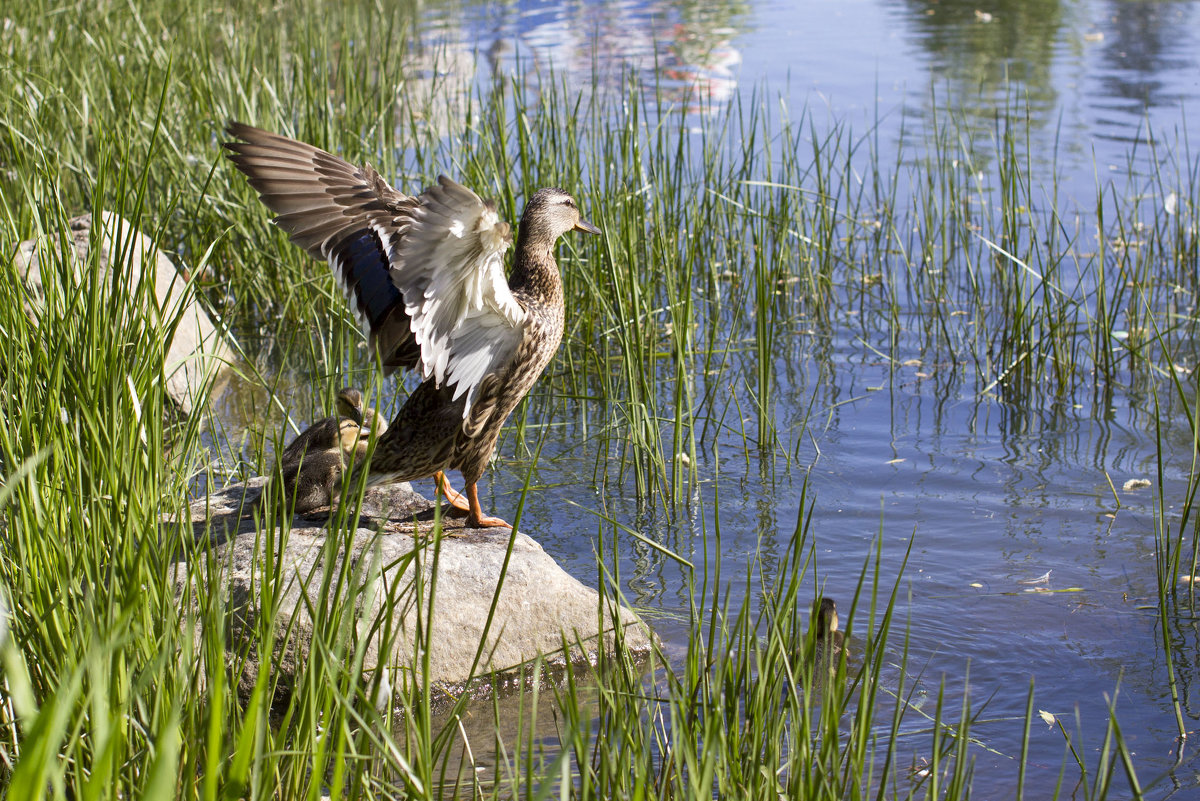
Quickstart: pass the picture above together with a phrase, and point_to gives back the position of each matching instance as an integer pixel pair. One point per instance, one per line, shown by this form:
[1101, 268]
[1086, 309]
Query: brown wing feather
[341, 213]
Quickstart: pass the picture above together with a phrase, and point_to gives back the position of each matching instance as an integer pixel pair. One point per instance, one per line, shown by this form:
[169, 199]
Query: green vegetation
[725, 253]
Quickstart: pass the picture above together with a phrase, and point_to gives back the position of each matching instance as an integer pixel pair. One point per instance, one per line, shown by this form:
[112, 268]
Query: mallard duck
[425, 276]
[828, 641]
[312, 466]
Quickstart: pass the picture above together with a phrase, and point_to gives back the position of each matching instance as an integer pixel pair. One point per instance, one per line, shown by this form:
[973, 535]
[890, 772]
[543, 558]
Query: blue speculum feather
[364, 264]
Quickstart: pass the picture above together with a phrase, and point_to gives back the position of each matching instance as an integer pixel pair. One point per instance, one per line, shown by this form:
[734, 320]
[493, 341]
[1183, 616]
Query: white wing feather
[448, 263]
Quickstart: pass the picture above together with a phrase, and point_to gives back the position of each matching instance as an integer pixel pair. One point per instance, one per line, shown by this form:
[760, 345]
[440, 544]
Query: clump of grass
[90, 460]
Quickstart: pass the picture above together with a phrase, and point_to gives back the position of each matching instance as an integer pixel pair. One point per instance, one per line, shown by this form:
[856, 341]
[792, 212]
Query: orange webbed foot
[453, 497]
[475, 516]
[486, 522]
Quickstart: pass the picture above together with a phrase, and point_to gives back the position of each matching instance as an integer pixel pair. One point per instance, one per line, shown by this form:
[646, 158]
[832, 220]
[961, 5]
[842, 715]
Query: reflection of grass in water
[727, 251]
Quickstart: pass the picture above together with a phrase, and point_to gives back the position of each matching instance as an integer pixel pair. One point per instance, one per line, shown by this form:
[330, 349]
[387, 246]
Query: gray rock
[196, 353]
[540, 606]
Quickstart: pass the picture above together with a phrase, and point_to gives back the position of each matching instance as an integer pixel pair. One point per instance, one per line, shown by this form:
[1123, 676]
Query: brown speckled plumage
[325, 434]
[424, 274]
[311, 467]
[828, 641]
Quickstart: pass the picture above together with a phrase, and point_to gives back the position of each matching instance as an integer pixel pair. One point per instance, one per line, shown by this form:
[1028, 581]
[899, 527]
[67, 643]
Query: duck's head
[824, 617]
[350, 435]
[349, 404]
[550, 213]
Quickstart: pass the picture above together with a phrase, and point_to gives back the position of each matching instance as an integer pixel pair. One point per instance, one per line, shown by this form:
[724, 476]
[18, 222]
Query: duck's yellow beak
[586, 227]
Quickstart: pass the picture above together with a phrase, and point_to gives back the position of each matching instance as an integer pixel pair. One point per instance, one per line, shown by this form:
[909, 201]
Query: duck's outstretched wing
[424, 274]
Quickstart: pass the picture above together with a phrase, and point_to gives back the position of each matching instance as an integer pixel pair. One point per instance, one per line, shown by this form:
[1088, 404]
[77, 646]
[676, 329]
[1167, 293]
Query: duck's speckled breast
[543, 334]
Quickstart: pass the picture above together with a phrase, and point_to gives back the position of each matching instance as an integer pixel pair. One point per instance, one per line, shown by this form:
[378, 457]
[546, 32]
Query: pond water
[993, 495]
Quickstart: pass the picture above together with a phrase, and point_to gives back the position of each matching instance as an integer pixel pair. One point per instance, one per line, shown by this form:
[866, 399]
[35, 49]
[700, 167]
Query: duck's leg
[454, 498]
[475, 518]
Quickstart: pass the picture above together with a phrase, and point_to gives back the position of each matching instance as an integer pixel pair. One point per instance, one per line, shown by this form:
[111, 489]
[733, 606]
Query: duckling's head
[351, 437]
[824, 617]
[550, 213]
[349, 404]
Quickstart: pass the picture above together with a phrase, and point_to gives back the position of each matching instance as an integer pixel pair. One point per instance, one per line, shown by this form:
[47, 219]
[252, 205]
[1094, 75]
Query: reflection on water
[685, 51]
[983, 58]
[1107, 62]
[1083, 70]
[1142, 51]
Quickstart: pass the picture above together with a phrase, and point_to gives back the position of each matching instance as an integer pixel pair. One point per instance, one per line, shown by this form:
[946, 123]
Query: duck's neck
[535, 273]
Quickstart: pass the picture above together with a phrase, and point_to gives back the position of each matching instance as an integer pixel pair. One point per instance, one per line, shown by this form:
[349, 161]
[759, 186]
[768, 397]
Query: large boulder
[196, 352]
[540, 607]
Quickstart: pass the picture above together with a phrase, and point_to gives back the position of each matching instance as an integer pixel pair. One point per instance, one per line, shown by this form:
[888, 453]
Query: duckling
[311, 467]
[326, 433]
[425, 275]
[310, 481]
[829, 643]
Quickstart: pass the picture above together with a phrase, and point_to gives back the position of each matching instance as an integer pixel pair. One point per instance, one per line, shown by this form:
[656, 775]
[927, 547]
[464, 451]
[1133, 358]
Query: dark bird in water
[311, 467]
[829, 643]
[425, 276]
